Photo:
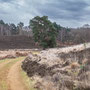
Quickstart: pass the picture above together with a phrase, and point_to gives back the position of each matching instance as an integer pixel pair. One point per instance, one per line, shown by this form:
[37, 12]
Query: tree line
[47, 33]
[14, 29]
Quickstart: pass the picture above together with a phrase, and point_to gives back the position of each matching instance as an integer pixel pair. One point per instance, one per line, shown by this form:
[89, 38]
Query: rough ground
[60, 68]
[11, 77]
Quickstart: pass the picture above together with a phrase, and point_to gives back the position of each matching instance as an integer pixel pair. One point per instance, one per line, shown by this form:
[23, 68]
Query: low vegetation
[63, 69]
[51, 69]
[28, 82]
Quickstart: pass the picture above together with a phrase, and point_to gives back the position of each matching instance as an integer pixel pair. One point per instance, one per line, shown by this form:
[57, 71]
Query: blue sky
[71, 13]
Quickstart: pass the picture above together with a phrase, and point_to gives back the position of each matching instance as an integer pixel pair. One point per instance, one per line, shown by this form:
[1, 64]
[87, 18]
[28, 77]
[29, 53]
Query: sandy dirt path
[11, 75]
[14, 79]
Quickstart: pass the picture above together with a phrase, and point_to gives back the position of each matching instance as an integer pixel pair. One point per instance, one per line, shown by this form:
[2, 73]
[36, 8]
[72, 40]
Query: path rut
[14, 79]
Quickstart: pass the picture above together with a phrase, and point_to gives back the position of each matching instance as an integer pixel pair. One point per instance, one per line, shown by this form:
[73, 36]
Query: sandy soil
[14, 79]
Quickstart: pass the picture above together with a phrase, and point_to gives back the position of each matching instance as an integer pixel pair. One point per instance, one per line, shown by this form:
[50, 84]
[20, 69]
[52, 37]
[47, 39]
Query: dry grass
[27, 81]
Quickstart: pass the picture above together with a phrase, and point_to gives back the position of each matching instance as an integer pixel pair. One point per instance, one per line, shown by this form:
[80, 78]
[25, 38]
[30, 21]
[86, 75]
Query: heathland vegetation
[40, 56]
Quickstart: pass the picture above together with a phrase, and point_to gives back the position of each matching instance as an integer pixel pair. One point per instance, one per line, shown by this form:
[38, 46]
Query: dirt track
[14, 77]
[10, 75]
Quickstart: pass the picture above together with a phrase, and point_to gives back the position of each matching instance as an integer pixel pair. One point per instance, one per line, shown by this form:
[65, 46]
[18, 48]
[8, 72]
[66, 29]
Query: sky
[67, 13]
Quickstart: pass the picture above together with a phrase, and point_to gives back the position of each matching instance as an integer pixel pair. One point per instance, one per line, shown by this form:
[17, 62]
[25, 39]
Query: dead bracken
[68, 71]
